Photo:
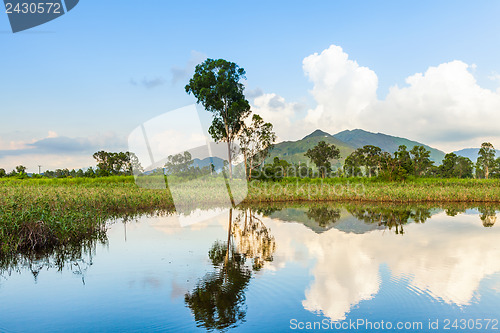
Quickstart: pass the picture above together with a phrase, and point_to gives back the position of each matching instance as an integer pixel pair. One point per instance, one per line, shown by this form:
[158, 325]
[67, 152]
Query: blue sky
[85, 80]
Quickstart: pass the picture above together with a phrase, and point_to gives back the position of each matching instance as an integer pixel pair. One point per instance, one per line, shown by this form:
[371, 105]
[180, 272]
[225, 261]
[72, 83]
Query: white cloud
[52, 134]
[342, 88]
[274, 109]
[444, 107]
[494, 77]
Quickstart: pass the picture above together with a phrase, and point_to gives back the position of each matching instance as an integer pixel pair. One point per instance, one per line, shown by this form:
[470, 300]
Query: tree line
[108, 164]
[372, 161]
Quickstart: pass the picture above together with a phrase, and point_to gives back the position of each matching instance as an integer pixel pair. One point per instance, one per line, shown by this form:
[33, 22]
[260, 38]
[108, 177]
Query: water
[287, 268]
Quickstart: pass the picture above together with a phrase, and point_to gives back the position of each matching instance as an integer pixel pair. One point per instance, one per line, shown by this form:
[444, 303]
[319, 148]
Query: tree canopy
[486, 159]
[216, 85]
[321, 155]
[256, 140]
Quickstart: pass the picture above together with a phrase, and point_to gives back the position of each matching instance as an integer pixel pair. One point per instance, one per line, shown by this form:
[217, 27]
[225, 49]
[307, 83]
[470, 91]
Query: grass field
[37, 214]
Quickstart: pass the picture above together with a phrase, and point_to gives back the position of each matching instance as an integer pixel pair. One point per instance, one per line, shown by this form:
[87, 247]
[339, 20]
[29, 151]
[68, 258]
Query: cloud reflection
[446, 258]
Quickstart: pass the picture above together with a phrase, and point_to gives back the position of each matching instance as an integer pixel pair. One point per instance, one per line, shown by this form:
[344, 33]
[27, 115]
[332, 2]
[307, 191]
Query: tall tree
[2, 173]
[179, 164]
[256, 140]
[116, 163]
[321, 155]
[216, 85]
[404, 159]
[421, 160]
[454, 166]
[486, 158]
[446, 169]
[391, 167]
[463, 167]
[353, 163]
[372, 159]
[20, 169]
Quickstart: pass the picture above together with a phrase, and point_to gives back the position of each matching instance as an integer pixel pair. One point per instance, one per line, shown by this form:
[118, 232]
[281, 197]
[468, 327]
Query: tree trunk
[228, 237]
[228, 141]
[246, 165]
[229, 158]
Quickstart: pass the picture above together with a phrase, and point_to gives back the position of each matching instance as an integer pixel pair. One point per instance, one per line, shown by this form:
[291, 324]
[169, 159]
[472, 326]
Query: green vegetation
[38, 214]
[256, 140]
[376, 190]
[216, 85]
[293, 151]
[321, 155]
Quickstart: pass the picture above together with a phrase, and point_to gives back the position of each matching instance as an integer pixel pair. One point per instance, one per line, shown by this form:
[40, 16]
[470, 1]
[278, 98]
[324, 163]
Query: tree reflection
[488, 216]
[391, 216]
[323, 215]
[253, 239]
[218, 300]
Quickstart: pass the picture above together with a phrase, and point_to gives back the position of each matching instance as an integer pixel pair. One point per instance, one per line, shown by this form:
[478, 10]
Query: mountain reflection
[390, 216]
[218, 300]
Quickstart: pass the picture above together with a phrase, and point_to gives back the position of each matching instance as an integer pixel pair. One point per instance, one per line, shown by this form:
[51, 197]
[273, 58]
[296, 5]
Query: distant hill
[347, 141]
[293, 151]
[471, 153]
[217, 162]
[358, 138]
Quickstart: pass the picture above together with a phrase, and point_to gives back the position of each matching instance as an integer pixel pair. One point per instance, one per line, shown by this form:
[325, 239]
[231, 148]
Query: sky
[428, 71]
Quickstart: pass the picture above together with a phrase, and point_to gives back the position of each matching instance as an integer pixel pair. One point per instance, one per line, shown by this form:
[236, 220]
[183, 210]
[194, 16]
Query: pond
[338, 267]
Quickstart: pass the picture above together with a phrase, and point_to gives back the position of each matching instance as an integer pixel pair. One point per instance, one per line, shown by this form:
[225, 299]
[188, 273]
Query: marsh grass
[41, 214]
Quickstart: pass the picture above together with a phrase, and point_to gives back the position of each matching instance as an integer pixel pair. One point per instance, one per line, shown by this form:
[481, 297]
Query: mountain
[318, 133]
[216, 161]
[347, 141]
[293, 151]
[346, 222]
[358, 138]
[471, 153]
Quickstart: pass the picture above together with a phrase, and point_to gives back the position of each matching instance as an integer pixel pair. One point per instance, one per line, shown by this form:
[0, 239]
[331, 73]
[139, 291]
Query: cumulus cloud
[444, 106]
[342, 88]
[274, 109]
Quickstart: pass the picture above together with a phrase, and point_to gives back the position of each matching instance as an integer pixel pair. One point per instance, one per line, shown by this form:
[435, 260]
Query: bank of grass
[39, 214]
[376, 190]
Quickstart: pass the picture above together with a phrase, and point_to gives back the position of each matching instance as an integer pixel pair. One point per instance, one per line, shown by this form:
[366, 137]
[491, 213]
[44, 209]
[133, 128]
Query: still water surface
[284, 268]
